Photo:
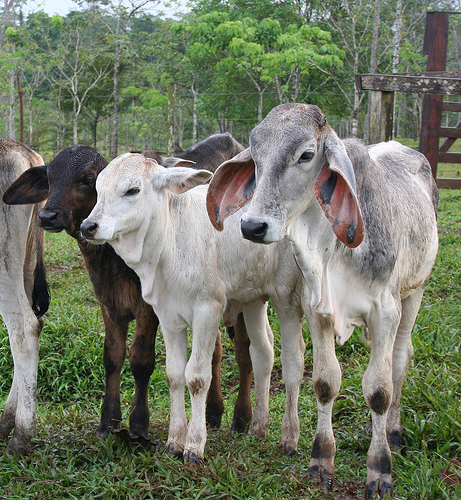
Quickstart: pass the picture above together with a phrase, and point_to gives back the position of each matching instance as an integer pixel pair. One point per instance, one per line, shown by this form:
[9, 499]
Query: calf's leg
[327, 381]
[377, 389]
[292, 358]
[214, 402]
[242, 407]
[176, 359]
[262, 357]
[114, 357]
[142, 364]
[401, 357]
[20, 408]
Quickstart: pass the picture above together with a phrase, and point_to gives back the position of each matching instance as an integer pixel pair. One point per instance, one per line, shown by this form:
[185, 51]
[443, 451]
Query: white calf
[23, 296]
[193, 276]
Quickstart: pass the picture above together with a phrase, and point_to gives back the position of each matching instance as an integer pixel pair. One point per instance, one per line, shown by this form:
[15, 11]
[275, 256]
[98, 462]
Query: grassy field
[69, 462]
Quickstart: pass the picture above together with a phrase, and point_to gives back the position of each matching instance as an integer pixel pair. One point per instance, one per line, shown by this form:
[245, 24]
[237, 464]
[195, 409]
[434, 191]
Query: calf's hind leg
[20, 408]
[214, 401]
[401, 357]
[242, 407]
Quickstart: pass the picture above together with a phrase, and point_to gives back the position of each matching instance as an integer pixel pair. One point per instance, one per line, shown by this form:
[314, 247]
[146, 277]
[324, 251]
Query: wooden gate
[434, 84]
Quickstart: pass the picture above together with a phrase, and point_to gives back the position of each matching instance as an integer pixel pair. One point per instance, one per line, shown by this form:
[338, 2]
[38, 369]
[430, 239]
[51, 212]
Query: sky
[62, 7]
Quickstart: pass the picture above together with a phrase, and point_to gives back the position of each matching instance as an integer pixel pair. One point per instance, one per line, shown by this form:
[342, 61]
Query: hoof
[381, 488]
[127, 437]
[239, 426]
[213, 421]
[324, 476]
[18, 447]
[288, 449]
[191, 457]
[103, 432]
[174, 450]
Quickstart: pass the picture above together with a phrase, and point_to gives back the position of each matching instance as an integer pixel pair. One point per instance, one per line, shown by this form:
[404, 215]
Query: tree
[261, 49]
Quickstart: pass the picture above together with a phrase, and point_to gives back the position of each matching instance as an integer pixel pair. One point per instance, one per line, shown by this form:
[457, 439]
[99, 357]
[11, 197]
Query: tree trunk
[118, 59]
[75, 117]
[21, 110]
[171, 112]
[373, 62]
[397, 37]
[59, 135]
[194, 114]
[260, 105]
[12, 131]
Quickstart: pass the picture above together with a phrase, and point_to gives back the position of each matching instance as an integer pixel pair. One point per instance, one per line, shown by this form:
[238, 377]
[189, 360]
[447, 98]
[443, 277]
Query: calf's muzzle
[254, 231]
[88, 229]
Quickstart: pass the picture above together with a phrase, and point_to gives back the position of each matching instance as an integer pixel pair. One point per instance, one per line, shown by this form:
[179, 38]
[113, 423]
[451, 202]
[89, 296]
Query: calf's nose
[47, 218]
[88, 228]
[254, 231]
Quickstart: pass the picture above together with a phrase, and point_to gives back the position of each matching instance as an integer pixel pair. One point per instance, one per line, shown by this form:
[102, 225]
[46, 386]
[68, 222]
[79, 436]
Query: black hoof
[127, 437]
[289, 452]
[384, 490]
[239, 427]
[325, 477]
[213, 422]
[174, 451]
[191, 457]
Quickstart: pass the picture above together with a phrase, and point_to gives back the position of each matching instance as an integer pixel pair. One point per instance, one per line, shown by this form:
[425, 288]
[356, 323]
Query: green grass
[69, 462]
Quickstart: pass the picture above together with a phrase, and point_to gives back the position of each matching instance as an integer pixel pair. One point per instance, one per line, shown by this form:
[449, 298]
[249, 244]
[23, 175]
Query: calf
[192, 276]
[24, 297]
[208, 153]
[362, 223]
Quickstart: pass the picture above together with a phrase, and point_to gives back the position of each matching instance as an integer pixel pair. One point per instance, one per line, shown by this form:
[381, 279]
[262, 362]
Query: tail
[40, 291]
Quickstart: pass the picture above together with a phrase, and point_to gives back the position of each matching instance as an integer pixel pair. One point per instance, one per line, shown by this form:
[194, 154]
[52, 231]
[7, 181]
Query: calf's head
[132, 194]
[295, 159]
[68, 182]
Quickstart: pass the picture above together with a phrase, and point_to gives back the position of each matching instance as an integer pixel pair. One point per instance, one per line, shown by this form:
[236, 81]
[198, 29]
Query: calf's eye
[87, 182]
[132, 192]
[306, 156]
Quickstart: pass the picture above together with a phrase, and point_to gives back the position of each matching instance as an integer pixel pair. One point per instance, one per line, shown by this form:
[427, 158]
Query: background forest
[123, 76]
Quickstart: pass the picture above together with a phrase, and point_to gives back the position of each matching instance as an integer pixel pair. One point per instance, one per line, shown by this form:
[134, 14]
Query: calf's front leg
[114, 356]
[327, 381]
[176, 359]
[205, 327]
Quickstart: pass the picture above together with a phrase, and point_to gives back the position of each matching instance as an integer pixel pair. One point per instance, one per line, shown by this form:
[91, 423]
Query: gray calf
[362, 223]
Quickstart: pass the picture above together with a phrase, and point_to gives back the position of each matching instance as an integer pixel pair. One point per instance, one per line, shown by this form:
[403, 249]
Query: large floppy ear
[336, 193]
[30, 187]
[181, 179]
[231, 188]
[172, 161]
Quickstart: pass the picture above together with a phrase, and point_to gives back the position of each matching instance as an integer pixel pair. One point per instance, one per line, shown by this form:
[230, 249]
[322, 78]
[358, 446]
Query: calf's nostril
[88, 228]
[47, 217]
[254, 231]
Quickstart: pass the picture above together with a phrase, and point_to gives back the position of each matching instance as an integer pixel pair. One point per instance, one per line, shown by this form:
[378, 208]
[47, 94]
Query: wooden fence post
[381, 116]
[435, 47]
